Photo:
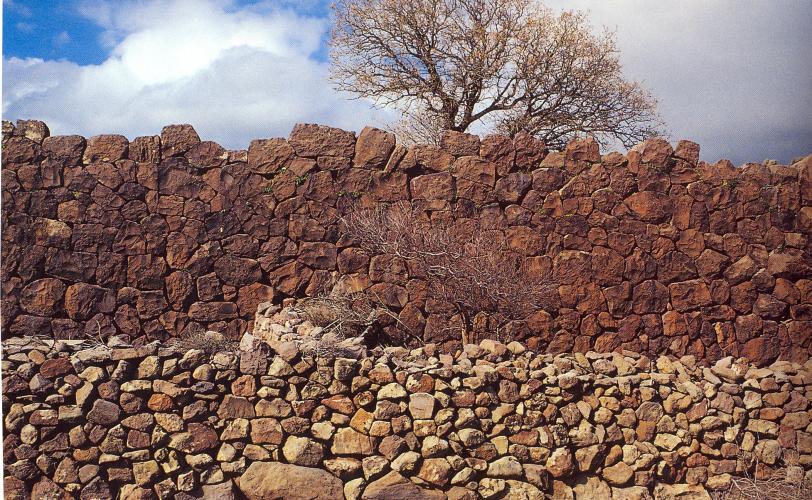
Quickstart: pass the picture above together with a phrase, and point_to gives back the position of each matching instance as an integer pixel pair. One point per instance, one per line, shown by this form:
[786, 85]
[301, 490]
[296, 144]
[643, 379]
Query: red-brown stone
[108, 148]
[43, 297]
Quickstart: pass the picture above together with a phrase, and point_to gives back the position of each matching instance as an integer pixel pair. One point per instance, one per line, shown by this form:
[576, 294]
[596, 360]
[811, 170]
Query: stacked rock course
[493, 421]
[653, 252]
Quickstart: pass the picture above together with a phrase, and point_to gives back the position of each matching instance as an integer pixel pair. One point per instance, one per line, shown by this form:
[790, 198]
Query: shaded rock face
[496, 421]
[652, 252]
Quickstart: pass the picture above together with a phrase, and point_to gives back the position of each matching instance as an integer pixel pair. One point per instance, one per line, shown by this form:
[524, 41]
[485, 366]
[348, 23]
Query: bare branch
[471, 269]
[450, 63]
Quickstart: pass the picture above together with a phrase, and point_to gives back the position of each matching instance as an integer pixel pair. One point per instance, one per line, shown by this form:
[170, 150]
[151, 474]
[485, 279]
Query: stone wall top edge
[38, 130]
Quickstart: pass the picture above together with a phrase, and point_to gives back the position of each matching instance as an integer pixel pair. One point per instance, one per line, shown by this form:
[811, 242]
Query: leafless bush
[777, 487]
[209, 342]
[470, 268]
[347, 315]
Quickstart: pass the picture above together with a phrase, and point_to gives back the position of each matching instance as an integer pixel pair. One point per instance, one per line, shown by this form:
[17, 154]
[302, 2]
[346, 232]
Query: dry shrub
[777, 487]
[465, 264]
[209, 342]
[345, 315]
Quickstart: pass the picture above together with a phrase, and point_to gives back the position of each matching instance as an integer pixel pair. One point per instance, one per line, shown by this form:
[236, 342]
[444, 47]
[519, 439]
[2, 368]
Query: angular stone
[177, 139]
[268, 480]
[395, 486]
[268, 156]
[302, 451]
[311, 141]
[83, 301]
[505, 467]
[436, 471]
[108, 148]
[618, 474]
[56, 367]
[689, 295]
[421, 405]
[649, 206]
[560, 463]
[348, 441]
[104, 412]
[213, 311]
[373, 148]
[459, 143]
[43, 297]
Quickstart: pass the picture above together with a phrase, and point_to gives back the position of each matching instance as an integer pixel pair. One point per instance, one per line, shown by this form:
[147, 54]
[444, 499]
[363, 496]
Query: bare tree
[464, 266]
[511, 64]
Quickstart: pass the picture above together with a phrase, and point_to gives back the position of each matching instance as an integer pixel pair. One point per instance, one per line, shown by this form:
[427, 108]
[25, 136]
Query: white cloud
[235, 74]
[732, 75]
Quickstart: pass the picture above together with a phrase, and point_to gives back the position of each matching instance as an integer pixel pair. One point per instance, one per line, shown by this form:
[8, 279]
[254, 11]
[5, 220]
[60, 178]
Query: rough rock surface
[167, 235]
[272, 421]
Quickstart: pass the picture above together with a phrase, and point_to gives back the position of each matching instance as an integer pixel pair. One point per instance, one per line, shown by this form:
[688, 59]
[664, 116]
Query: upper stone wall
[654, 251]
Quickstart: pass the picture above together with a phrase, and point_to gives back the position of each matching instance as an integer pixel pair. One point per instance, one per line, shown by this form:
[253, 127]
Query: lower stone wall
[494, 421]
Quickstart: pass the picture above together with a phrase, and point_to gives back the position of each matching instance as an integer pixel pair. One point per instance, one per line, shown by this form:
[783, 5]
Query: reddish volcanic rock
[266, 156]
[373, 147]
[107, 148]
[83, 301]
[43, 297]
[177, 139]
[459, 143]
[649, 206]
[311, 140]
[212, 311]
[64, 149]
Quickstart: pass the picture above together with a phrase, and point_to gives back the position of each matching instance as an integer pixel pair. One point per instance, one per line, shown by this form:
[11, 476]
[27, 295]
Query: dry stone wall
[495, 421]
[653, 252]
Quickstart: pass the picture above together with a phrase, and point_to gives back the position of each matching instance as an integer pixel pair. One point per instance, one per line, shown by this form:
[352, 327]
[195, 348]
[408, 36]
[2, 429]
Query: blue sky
[59, 29]
[732, 75]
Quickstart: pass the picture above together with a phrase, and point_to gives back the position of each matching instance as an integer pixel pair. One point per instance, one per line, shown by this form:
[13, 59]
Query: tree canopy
[511, 65]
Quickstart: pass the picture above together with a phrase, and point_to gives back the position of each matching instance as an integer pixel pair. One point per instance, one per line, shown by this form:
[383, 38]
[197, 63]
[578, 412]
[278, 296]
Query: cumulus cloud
[234, 73]
[732, 75]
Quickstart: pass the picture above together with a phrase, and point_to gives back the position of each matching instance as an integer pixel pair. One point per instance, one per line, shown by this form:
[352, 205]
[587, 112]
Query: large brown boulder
[373, 148]
[459, 143]
[311, 140]
[82, 301]
[394, 486]
[107, 148]
[177, 139]
[266, 156]
[66, 149]
[237, 271]
[277, 481]
[649, 206]
[43, 297]
[212, 311]
[438, 186]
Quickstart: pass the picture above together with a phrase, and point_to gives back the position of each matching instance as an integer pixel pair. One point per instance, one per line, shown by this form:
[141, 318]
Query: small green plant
[268, 188]
[730, 183]
[351, 194]
[301, 179]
